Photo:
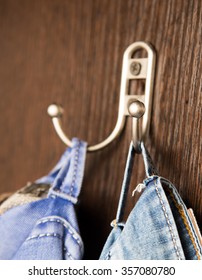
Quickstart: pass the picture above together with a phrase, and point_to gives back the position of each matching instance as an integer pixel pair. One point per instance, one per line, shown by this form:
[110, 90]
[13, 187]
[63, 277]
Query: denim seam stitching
[68, 253]
[51, 235]
[44, 235]
[55, 194]
[181, 212]
[168, 221]
[62, 223]
[76, 158]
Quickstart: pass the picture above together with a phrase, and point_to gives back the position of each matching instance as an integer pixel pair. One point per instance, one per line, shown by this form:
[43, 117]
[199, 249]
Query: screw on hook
[135, 68]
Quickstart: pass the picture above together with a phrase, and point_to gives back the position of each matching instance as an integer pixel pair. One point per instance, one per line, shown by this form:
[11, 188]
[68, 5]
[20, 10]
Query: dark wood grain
[70, 52]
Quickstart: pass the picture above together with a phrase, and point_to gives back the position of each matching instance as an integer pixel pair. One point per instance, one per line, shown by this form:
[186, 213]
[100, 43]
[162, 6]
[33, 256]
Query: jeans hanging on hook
[47, 228]
[159, 227]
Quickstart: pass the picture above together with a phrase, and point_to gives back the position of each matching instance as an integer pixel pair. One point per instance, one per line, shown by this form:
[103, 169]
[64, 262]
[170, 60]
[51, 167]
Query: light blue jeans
[47, 229]
[159, 226]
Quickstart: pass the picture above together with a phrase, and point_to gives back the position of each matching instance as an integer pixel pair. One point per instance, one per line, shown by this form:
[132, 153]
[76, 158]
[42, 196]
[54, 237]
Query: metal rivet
[135, 68]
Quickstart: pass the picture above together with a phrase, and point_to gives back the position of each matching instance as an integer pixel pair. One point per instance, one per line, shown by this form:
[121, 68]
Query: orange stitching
[181, 212]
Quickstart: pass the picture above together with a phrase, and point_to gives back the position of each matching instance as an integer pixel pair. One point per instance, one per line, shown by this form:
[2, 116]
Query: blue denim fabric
[47, 229]
[158, 227]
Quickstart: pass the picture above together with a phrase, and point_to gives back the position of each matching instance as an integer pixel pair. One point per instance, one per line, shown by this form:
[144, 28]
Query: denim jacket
[47, 228]
[159, 227]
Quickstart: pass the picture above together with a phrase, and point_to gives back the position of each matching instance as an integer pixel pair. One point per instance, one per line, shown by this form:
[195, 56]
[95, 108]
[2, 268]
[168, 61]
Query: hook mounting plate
[132, 69]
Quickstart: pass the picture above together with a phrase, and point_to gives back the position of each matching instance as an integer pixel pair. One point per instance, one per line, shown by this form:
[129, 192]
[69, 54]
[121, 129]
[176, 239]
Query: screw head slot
[135, 68]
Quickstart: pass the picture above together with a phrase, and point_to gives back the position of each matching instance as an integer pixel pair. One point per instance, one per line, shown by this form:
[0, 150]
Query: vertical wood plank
[71, 52]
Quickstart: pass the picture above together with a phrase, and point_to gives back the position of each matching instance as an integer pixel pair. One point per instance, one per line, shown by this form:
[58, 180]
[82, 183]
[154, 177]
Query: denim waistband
[150, 170]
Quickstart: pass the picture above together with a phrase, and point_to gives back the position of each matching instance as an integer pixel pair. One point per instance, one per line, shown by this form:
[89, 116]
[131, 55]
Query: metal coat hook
[136, 106]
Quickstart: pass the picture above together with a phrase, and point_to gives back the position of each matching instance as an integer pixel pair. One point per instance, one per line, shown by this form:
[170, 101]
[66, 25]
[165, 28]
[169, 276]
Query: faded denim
[158, 227]
[47, 229]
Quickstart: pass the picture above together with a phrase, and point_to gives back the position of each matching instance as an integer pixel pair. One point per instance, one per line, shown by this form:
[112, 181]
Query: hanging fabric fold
[41, 228]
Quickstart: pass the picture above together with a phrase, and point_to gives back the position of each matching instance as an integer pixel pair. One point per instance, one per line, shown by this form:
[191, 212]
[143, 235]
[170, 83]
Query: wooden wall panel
[70, 51]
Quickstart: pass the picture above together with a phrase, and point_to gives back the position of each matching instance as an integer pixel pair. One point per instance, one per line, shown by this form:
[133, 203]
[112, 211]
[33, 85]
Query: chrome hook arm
[133, 105]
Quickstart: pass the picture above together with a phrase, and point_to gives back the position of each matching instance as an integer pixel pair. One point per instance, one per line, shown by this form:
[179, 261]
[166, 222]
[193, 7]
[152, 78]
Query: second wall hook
[136, 106]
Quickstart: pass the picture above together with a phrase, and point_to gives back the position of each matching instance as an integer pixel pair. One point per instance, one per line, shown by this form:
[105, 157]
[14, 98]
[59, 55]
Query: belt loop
[68, 182]
[125, 184]
[150, 168]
